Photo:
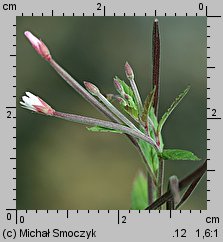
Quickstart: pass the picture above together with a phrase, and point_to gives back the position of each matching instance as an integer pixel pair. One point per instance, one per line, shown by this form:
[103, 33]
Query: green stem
[151, 189]
[160, 179]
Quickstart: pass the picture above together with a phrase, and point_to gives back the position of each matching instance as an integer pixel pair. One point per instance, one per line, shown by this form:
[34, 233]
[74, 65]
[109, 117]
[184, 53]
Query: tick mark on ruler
[104, 11]
[218, 118]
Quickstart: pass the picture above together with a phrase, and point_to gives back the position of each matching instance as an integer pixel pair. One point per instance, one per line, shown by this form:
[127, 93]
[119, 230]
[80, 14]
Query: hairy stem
[115, 111]
[82, 91]
[87, 96]
[105, 124]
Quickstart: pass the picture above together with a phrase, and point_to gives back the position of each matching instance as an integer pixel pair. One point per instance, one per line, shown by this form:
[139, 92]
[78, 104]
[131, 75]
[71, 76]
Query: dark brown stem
[189, 191]
[182, 184]
[156, 64]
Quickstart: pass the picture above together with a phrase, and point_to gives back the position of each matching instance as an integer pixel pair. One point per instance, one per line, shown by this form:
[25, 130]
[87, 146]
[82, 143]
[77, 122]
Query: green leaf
[171, 108]
[175, 154]
[127, 89]
[129, 97]
[149, 152]
[102, 129]
[139, 195]
[148, 104]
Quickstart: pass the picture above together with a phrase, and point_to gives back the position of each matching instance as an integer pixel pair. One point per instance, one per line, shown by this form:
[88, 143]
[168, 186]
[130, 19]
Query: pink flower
[36, 104]
[38, 45]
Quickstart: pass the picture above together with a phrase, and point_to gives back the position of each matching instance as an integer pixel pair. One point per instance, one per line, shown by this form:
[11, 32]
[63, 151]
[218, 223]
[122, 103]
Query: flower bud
[39, 46]
[92, 88]
[36, 104]
[118, 86]
[121, 101]
[128, 71]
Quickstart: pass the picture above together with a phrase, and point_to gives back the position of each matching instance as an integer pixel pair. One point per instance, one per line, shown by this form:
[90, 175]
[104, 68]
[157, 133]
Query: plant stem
[137, 96]
[151, 189]
[199, 172]
[150, 173]
[156, 65]
[189, 191]
[105, 124]
[115, 111]
[82, 91]
[156, 85]
[160, 179]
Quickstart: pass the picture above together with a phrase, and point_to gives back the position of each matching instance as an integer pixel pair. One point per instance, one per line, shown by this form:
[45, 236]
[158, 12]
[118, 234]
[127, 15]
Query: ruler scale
[110, 225]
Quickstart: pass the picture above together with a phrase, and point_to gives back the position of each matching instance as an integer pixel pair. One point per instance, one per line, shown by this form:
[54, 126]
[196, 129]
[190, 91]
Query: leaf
[139, 195]
[149, 152]
[171, 108]
[129, 97]
[102, 129]
[148, 104]
[150, 155]
[127, 89]
[175, 154]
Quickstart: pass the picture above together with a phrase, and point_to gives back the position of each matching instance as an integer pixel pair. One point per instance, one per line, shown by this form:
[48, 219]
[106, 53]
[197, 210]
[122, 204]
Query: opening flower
[38, 45]
[36, 104]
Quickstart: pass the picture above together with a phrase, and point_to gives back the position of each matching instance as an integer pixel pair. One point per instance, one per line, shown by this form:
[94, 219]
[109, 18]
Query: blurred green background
[61, 165]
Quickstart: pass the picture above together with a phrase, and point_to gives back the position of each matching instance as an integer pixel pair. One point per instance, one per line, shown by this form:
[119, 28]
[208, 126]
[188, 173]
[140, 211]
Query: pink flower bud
[36, 104]
[121, 101]
[92, 88]
[118, 86]
[127, 97]
[39, 46]
[128, 71]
